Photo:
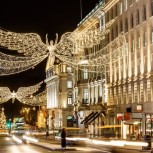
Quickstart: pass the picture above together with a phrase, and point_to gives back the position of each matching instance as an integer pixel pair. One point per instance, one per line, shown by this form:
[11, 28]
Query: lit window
[85, 74]
[121, 7]
[85, 93]
[69, 69]
[69, 84]
[125, 4]
[102, 22]
[69, 100]
[63, 68]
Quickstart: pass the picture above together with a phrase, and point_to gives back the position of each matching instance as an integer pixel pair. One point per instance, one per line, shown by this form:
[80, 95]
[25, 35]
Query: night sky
[41, 17]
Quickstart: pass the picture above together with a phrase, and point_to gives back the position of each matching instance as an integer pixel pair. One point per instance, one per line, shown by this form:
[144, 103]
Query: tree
[2, 119]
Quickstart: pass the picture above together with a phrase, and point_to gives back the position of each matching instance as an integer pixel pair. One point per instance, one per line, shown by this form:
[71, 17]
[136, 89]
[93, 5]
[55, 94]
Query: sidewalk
[51, 143]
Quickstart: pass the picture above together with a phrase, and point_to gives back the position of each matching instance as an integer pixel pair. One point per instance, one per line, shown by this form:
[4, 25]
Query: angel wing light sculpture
[34, 50]
[21, 94]
[70, 49]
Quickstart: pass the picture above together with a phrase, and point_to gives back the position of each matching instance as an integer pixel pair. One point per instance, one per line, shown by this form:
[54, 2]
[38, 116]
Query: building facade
[116, 101]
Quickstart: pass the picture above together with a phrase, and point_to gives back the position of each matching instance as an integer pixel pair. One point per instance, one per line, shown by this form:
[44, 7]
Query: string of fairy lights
[70, 49]
[24, 95]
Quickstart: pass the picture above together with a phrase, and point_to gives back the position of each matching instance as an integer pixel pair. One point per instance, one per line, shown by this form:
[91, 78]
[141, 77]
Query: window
[121, 26]
[151, 36]
[126, 25]
[102, 22]
[85, 74]
[85, 95]
[116, 30]
[121, 8]
[99, 90]
[125, 5]
[145, 39]
[69, 84]
[137, 18]
[116, 10]
[69, 69]
[144, 13]
[112, 34]
[63, 68]
[132, 24]
[138, 41]
[132, 44]
[112, 13]
[69, 100]
[151, 7]
[107, 17]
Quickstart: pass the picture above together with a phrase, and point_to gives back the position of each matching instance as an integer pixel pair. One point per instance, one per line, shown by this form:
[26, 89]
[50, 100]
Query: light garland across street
[70, 50]
[22, 94]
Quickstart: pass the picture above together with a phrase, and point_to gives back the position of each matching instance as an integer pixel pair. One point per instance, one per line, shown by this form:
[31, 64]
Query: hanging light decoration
[37, 100]
[22, 93]
[12, 64]
[70, 49]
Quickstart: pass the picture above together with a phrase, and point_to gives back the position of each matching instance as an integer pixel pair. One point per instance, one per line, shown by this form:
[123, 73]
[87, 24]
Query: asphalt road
[9, 146]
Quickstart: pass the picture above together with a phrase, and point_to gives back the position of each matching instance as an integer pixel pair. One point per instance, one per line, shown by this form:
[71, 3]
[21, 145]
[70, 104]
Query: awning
[90, 117]
[95, 116]
[86, 118]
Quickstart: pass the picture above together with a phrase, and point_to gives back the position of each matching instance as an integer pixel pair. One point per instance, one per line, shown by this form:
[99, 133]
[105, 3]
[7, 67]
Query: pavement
[55, 145]
[51, 144]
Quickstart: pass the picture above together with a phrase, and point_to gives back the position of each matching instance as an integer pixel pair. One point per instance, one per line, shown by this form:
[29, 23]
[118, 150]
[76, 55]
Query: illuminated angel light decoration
[37, 100]
[21, 94]
[98, 61]
[31, 45]
[13, 64]
[70, 49]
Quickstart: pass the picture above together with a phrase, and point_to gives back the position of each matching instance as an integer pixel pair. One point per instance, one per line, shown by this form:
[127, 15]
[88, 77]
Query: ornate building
[115, 97]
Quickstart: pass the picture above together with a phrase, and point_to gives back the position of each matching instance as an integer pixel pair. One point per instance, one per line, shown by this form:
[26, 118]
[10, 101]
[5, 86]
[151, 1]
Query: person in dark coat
[63, 138]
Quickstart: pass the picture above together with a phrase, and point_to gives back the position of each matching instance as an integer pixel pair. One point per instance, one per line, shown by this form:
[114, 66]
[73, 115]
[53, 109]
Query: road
[7, 145]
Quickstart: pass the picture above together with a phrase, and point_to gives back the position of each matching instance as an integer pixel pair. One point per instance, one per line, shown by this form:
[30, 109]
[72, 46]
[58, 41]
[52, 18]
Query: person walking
[63, 138]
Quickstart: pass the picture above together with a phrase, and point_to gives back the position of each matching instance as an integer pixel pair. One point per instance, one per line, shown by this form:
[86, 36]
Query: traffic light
[8, 124]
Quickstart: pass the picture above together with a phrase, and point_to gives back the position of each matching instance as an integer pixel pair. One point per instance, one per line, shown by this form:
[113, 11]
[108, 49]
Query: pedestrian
[47, 132]
[63, 138]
